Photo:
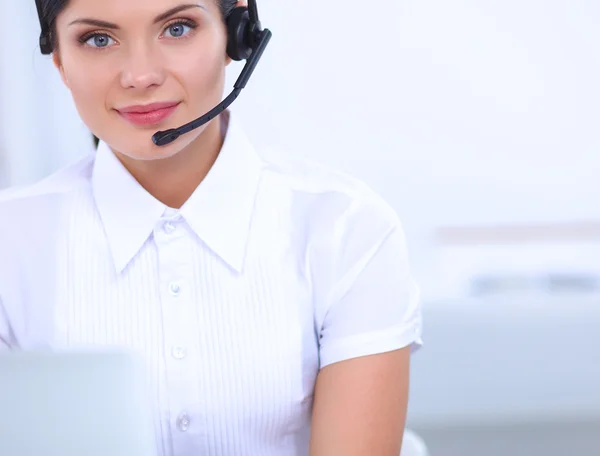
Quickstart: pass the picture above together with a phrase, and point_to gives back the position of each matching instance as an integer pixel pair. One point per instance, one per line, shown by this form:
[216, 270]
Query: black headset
[246, 40]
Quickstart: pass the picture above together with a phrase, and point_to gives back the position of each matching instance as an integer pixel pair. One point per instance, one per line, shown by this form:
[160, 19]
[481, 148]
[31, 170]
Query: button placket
[175, 289]
[183, 422]
[176, 273]
[179, 352]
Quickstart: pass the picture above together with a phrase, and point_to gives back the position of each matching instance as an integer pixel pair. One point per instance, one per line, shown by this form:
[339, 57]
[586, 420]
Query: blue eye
[178, 30]
[99, 41]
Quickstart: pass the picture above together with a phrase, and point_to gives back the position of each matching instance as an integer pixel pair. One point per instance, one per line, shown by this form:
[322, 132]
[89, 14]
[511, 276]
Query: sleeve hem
[372, 344]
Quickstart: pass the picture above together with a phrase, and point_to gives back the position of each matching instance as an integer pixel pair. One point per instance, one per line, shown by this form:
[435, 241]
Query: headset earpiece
[45, 41]
[45, 45]
[239, 35]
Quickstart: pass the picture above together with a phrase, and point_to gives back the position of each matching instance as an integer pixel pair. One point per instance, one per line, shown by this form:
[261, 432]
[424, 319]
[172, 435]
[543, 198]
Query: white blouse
[272, 270]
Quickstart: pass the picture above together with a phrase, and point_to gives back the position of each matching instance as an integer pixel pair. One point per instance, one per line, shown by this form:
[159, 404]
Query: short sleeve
[374, 307]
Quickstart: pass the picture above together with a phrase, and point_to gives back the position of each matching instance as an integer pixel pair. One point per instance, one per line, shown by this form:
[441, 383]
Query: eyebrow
[159, 18]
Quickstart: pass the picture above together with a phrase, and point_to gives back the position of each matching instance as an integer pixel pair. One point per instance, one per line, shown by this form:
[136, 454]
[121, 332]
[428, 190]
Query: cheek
[203, 77]
[88, 89]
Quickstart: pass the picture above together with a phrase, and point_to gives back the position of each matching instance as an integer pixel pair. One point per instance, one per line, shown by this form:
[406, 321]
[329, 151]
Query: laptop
[74, 404]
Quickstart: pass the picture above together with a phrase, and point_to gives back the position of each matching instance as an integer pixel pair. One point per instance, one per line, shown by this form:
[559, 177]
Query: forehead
[137, 11]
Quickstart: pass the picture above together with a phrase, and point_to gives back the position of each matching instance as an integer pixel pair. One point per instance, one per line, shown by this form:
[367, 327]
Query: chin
[138, 145]
[147, 150]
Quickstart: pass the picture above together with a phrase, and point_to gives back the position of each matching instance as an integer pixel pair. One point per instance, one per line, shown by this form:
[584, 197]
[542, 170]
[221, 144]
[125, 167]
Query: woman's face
[118, 57]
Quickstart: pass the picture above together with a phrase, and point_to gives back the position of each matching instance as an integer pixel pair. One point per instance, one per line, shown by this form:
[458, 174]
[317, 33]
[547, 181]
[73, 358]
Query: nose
[142, 68]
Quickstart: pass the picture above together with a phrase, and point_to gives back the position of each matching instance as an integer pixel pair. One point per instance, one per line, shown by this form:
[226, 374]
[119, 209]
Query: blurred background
[479, 122]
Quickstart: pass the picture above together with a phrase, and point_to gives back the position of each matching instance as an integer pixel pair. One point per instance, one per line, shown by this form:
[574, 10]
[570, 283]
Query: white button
[183, 422]
[179, 352]
[175, 289]
[169, 228]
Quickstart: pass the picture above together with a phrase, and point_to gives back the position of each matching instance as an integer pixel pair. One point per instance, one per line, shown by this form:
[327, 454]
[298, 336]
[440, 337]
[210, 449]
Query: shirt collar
[219, 211]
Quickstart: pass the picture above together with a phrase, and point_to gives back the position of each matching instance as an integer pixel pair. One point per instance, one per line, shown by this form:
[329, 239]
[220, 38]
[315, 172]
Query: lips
[146, 115]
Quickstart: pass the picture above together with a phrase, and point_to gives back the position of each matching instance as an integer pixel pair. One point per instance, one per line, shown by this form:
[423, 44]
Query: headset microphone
[162, 138]
[246, 40]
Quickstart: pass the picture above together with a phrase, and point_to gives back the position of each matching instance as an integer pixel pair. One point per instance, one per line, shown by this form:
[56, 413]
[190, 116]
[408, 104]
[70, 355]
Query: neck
[173, 180]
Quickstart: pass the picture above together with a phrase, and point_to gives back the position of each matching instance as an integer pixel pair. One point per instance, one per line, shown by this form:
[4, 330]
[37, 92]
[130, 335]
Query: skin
[144, 63]
[360, 404]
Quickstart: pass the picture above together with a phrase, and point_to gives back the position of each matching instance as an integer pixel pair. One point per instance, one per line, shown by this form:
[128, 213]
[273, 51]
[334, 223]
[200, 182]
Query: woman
[271, 298]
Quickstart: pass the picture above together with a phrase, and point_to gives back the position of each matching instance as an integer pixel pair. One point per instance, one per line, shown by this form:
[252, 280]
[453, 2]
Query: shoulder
[328, 201]
[355, 257]
[309, 175]
[32, 221]
[338, 221]
[55, 185]
[28, 212]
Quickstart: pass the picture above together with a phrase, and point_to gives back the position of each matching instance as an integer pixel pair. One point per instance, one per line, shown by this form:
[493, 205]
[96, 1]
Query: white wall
[39, 127]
